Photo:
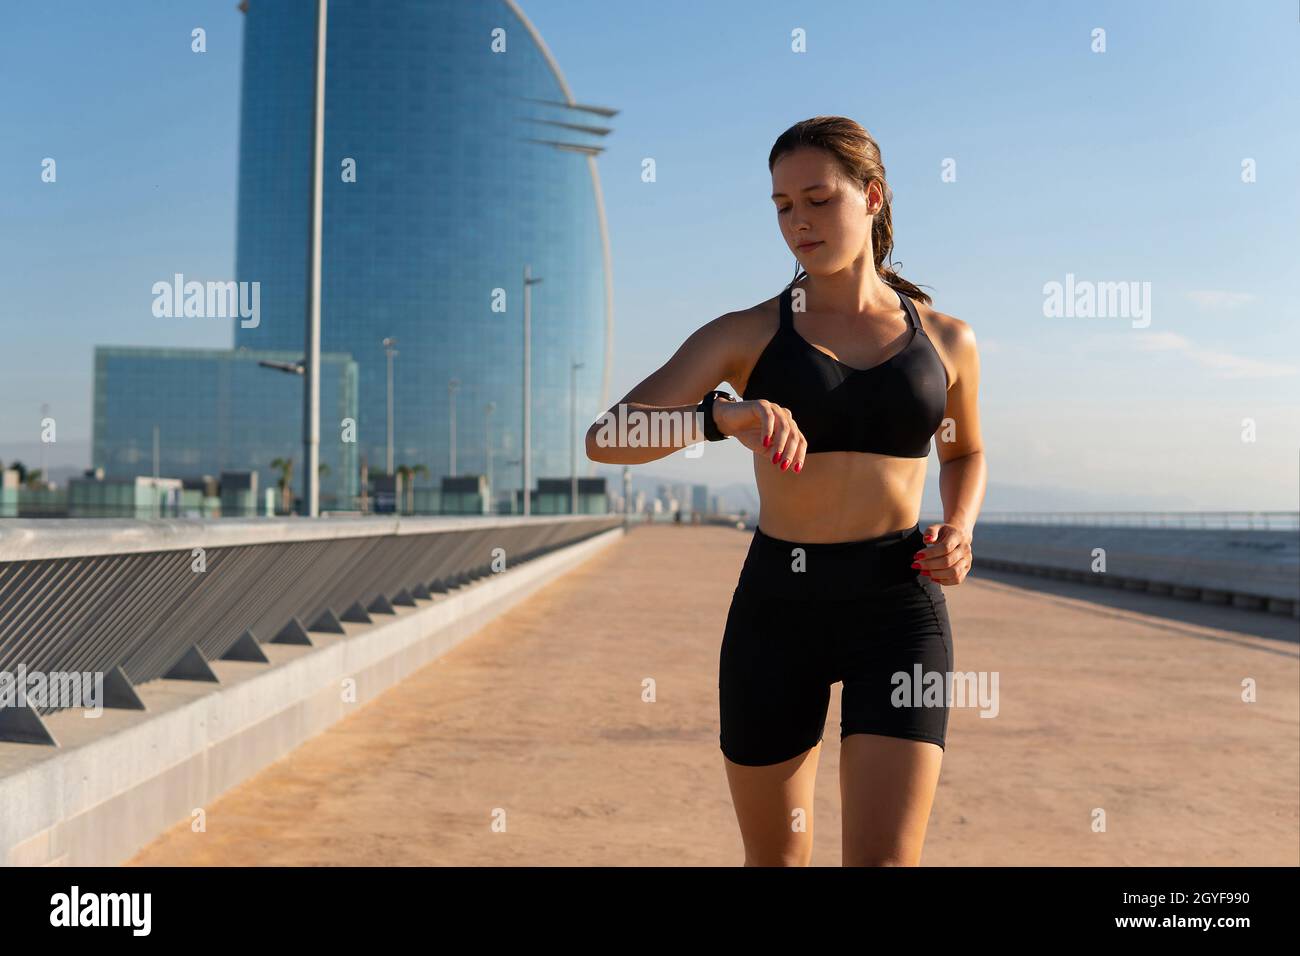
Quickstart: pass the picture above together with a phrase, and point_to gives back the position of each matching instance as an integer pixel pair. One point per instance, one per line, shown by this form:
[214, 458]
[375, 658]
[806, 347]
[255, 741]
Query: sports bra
[890, 409]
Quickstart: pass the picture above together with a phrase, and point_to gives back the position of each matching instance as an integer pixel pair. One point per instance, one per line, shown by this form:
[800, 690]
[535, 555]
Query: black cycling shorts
[805, 615]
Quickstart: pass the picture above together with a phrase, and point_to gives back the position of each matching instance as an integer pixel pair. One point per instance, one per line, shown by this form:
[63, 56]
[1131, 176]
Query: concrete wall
[121, 779]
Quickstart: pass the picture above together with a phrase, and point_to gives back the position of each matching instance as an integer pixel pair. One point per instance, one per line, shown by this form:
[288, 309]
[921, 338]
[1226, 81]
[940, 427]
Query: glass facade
[218, 410]
[472, 162]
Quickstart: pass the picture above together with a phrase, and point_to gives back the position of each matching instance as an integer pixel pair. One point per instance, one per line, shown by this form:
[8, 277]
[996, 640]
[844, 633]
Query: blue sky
[1115, 166]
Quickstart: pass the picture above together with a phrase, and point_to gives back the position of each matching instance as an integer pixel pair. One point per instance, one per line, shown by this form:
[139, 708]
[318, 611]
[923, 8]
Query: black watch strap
[705, 407]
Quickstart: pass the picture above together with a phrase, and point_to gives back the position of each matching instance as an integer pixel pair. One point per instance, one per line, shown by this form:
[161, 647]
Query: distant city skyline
[1169, 159]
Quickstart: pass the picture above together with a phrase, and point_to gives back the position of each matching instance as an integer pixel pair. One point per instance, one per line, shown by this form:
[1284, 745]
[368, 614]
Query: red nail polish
[767, 441]
[798, 468]
[926, 573]
[785, 464]
[776, 458]
[915, 565]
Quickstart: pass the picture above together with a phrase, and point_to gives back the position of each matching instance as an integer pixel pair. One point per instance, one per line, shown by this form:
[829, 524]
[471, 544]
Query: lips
[805, 246]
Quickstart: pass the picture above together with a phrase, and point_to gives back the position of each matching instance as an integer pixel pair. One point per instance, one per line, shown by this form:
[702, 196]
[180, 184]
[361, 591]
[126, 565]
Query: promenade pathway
[1115, 700]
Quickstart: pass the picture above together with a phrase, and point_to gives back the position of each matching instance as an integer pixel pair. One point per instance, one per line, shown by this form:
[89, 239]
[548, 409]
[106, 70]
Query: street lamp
[293, 368]
[529, 282]
[573, 435]
[311, 377]
[390, 352]
[488, 409]
[452, 386]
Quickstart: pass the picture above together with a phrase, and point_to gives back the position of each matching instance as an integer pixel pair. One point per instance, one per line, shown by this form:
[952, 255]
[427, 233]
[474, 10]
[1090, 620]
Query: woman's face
[833, 213]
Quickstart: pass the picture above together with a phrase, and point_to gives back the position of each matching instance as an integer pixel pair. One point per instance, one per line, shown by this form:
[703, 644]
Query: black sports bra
[890, 409]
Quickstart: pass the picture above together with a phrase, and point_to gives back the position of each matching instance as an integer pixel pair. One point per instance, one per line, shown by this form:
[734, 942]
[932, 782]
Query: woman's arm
[963, 473]
[657, 417]
[962, 470]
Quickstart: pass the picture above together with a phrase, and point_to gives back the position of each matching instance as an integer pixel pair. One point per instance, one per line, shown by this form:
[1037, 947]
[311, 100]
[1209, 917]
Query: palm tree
[408, 474]
[416, 470]
[285, 467]
[404, 479]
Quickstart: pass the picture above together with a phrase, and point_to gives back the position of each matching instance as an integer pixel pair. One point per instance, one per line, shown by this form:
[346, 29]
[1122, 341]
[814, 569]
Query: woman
[840, 582]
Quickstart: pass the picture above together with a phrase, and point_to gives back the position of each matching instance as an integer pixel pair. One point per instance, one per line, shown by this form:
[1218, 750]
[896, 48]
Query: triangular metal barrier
[119, 692]
[292, 633]
[356, 614]
[22, 725]
[192, 666]
[327, 621]
[246, 649]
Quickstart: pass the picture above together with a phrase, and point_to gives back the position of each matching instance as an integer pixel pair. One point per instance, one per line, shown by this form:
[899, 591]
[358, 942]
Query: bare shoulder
[747, 330]
[762, 317]
[751, 329]
[955, 339]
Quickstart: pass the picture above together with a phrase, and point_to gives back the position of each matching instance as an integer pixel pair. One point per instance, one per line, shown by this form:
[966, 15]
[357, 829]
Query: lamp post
[488, 409]
[573, 436]
[45, 413]
[157, 505]
[452, 386]
[311, 378]
[388, 344]
[529, 282]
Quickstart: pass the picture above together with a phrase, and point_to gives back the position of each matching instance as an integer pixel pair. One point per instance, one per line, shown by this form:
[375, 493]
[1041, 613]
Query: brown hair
[859, 159]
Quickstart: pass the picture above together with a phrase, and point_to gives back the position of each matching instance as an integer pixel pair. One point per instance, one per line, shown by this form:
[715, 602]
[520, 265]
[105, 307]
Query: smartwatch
[705, 408]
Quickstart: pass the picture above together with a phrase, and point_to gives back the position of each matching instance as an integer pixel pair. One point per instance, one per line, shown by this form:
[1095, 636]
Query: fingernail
[775, 457]
[915, 565]
[917, 555]
[785, 464]
[926, 573]
[798, 468]
[767, 441]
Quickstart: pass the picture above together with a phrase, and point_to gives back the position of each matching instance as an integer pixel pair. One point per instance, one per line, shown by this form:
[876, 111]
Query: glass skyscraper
[454, 157]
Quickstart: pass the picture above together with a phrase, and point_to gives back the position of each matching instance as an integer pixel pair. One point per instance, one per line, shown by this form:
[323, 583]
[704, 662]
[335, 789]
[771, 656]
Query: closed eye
[814, 202]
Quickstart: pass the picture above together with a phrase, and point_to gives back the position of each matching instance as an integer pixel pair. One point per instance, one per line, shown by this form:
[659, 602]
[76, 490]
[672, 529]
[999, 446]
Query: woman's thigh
[773, 689]
[773, 696]
[896, 665]
[774, 808]
[887, 787]
[895, 659]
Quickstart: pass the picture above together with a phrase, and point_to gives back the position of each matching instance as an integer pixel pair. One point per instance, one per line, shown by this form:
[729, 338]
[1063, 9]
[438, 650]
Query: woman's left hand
[947, 558]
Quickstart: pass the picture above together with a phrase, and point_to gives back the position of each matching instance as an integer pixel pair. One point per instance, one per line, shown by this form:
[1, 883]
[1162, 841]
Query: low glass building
[218, 410]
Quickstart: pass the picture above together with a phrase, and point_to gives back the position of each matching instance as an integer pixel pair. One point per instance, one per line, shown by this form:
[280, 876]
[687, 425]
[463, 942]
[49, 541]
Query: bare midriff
[838, 496]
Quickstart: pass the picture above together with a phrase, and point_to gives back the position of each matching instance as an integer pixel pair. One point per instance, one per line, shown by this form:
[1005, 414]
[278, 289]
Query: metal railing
[1208, 520]
[138, 600]
[329, 505]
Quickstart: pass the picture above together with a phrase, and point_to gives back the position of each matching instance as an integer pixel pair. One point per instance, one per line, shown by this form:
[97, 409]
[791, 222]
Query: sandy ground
[531, 743]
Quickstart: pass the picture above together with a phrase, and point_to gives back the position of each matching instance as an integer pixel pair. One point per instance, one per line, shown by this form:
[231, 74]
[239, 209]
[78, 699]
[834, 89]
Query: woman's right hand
[762, 427]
